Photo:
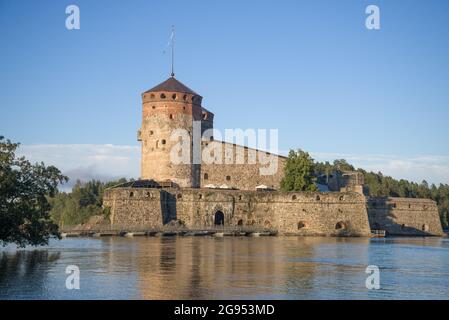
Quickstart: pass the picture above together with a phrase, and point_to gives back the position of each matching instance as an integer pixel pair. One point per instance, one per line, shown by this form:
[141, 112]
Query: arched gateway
[219, 218]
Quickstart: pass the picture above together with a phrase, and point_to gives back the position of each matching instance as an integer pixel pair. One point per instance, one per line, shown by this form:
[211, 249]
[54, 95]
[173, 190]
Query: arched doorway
[219, 218]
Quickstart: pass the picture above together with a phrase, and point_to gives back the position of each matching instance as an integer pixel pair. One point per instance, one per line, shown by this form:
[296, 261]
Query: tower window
[204, 115]
[193, 98]
[163, 141]
[206, 176]
[151, 132]
[171, 116]
[152, 96]
[154, 107]
[162, 96]
[184, 97]
[174, 96]
[228, 178]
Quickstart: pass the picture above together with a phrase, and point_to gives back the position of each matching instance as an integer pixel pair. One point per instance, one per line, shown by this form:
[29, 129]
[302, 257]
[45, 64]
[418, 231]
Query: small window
[228, 178]
[174, 96]
[147, 194]
[425, 227]
[206, 176]
[317, 198]
[341, 198]
[193, 98]
[154, 107]
[151, 132]
[179, 196]
[200, 196]
[163, 96]
[171, 116]
[131, 194]
[301, 225]
[184, 97]
[204, 115]
[152, 96]
[163, 141]
[294, 197]
[240, 222]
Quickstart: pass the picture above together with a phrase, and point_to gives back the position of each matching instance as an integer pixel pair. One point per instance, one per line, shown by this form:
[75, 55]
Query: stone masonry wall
[404, 216]
[314, 213]
[244, 176]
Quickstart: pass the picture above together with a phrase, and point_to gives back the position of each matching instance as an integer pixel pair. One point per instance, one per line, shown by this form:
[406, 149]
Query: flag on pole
[170, 41]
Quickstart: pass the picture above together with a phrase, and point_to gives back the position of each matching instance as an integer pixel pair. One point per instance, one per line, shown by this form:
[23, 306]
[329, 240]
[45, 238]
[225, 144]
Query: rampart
[300, 213]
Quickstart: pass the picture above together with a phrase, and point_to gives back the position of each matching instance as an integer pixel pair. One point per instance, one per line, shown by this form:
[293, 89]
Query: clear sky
[308, 68]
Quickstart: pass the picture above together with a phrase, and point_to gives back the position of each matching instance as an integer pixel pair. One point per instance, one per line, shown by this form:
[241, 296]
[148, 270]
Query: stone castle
[233, 193]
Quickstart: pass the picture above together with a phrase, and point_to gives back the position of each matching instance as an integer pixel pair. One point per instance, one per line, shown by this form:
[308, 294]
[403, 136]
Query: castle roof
[172, 85]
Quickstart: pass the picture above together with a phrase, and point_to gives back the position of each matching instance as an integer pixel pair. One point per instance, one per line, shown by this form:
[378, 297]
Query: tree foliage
[83, 202]
[298, 172]
[24, 208]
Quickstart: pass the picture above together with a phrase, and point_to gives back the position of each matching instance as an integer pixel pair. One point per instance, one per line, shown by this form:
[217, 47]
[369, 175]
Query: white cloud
[87, 161]
[432, 168]
[108, 162]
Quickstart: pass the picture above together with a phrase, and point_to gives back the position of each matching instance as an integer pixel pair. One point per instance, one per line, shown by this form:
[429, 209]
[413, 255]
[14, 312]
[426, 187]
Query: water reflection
[26, 268]
[228, 268]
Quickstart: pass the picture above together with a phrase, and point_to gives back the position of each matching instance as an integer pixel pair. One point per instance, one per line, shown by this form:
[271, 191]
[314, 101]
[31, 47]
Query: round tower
[167, 107]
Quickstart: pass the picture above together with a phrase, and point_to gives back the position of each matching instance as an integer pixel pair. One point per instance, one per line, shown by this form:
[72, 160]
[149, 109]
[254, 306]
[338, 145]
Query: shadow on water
[25, 266]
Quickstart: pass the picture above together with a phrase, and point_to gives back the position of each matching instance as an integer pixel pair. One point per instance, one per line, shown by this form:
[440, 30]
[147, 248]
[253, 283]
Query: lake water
[228, 268]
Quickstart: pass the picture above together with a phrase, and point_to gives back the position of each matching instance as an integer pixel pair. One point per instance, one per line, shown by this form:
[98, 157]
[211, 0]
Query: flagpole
[172, 51]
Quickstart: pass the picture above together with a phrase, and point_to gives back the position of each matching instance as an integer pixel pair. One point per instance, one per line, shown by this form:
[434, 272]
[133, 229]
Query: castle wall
[311, 213]
[241, 173]
[135, 207]
[404, 216]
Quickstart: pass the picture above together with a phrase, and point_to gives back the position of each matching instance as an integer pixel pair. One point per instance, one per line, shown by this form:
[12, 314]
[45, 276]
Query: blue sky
[308, 68]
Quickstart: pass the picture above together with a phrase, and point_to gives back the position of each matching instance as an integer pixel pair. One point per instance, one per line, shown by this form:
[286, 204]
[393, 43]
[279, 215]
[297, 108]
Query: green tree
[24, 209]
[299, 172]
[85, 201]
